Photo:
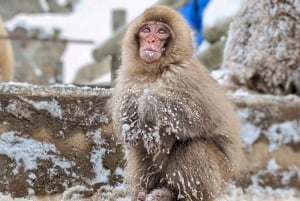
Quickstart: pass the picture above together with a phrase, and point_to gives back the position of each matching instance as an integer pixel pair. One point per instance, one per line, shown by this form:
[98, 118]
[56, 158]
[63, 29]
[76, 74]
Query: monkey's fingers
[132, 141]
[132, 137]
[152, 146]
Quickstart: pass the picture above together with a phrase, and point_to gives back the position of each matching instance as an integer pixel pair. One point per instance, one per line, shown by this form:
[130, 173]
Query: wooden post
[119, 19]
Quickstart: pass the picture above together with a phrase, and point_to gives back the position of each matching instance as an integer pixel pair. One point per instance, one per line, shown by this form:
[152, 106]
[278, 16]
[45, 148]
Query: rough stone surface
[270, 129]
[263, 49]
[53, 138]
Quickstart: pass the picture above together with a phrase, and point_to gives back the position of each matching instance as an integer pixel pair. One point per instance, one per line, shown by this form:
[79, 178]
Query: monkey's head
[157, 38]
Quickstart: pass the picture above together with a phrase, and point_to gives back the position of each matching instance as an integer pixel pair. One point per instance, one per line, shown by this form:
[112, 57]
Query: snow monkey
[6, 57]
[181, 131]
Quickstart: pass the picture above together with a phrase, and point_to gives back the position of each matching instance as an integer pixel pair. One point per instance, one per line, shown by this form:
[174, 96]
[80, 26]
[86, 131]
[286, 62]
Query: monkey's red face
[153, 37]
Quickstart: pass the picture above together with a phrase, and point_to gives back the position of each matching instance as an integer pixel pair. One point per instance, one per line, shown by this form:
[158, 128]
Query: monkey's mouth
[150, 55]
[150, 52]
[153, 50]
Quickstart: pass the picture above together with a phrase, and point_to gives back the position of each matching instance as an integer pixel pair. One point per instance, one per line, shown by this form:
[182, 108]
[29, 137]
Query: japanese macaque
[181, 131]
[6, 56]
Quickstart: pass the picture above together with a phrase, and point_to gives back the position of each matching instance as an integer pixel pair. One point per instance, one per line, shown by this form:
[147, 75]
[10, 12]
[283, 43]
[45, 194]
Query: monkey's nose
[151, 40]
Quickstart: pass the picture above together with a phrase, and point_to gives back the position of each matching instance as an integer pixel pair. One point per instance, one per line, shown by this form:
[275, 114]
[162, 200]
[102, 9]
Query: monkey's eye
[145, 30]
[162, 31]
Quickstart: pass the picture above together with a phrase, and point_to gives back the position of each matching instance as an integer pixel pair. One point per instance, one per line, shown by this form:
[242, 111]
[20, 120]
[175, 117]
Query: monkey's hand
[130, 127]
[157, 135]
[131, 134]
[151, 138]
[159, 143]
[156, 120]
[167, 140]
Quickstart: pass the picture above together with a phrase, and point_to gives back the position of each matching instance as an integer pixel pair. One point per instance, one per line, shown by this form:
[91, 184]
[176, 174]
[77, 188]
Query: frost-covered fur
[6, 56]
[263, 48]
[181, 131]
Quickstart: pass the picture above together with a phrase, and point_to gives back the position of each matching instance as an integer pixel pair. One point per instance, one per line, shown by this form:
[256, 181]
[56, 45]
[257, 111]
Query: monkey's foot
[161, 194]
[141, 196]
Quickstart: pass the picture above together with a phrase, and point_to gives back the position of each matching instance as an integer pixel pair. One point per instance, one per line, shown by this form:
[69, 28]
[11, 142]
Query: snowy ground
[120, 194]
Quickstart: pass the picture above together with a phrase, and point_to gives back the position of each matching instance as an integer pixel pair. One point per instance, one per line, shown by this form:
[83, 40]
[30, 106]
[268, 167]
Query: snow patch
[51, 106]
[120, 171]
[241, 92]
[272, 165]
[220, 75]
[74, 193]
[278, 134]
[250, 133]
[101, 174]
[27, 152]
[283, 133]
[273, 168]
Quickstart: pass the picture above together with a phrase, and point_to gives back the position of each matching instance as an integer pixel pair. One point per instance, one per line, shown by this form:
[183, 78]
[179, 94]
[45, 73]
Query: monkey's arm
[163, 120]
[145, 118]
[128, 118]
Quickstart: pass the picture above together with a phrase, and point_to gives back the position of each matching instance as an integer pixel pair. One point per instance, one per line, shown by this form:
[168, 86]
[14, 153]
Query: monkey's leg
[142, 174]
[141, 196]
[197, 170]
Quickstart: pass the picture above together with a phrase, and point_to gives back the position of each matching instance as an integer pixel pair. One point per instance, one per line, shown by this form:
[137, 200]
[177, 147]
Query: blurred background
[78, 42]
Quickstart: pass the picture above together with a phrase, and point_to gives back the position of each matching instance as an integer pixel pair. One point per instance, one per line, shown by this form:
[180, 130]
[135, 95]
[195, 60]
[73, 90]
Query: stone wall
[271, 137]
[56, 137]
[52, 138]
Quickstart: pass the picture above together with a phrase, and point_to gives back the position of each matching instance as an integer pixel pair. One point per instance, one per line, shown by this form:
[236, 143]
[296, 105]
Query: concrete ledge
[56, 137]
